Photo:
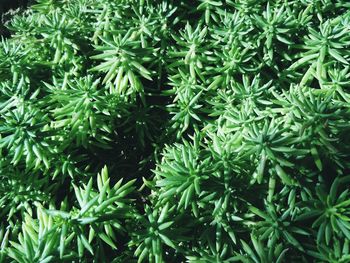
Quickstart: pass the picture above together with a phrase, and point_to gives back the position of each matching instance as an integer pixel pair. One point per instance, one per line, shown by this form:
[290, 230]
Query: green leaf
[337, 56]
[86, 244]
[283, 176]
[167, 241]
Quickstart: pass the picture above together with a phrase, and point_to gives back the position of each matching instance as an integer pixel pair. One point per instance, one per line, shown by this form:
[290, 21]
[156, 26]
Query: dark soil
[6, 5]
[7, 9]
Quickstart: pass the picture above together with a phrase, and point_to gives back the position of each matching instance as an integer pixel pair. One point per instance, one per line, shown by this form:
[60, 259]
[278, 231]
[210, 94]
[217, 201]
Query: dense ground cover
[176, 131]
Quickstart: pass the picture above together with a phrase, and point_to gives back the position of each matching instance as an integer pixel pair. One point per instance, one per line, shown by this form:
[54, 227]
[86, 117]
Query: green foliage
[224, 126]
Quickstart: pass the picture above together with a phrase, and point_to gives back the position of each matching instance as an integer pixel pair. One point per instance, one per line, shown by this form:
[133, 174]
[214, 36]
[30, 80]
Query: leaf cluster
[223, 123]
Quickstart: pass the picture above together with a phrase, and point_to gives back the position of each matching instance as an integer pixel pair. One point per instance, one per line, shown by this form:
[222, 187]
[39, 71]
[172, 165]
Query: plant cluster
[223, 123]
